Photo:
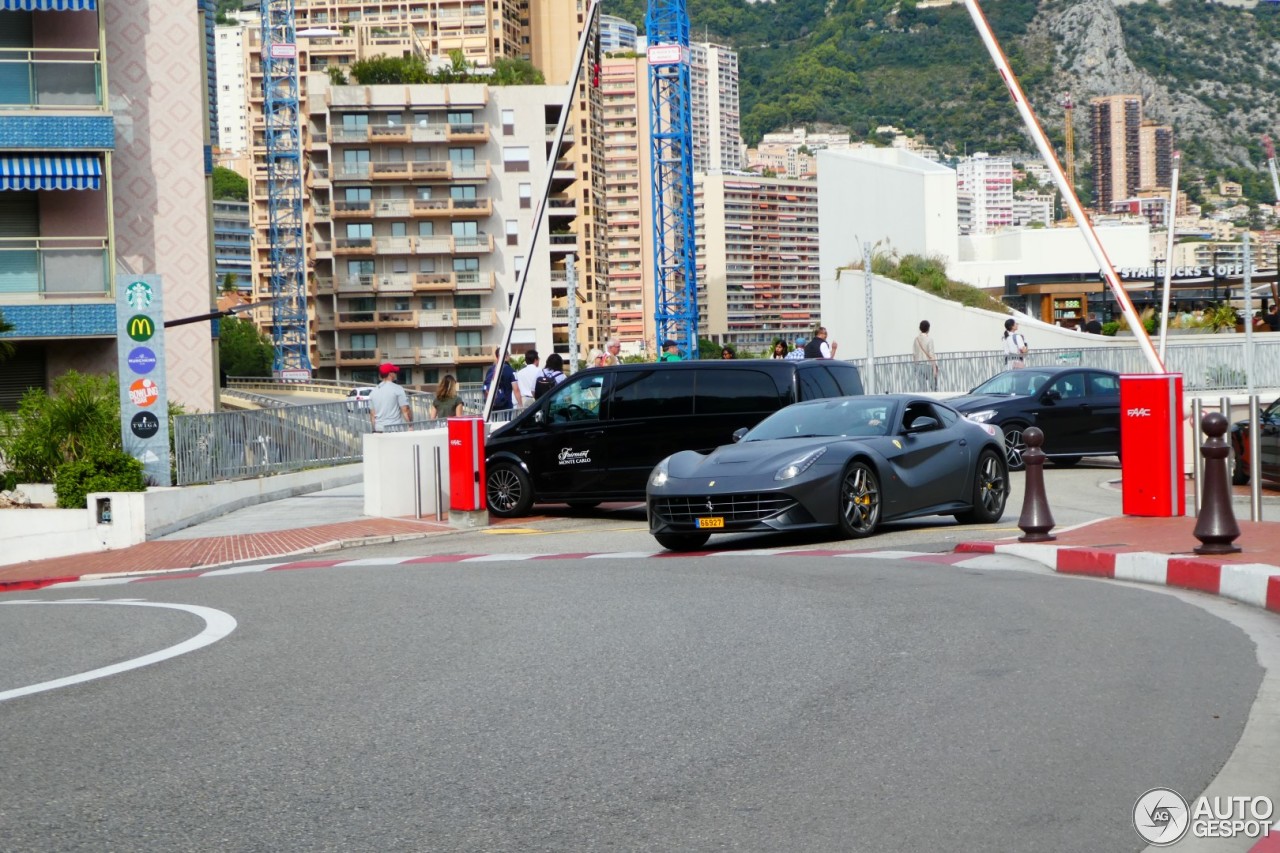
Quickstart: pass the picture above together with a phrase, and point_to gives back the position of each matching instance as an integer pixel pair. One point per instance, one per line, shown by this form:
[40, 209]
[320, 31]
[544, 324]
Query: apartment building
[232, 98]
[79, 210]
[988, 182]
[334, 35]
[717, 118]
[1114, 130]
[232, 245]
[757, 258]
[628, 202]
[1155, 157]
[616, 34]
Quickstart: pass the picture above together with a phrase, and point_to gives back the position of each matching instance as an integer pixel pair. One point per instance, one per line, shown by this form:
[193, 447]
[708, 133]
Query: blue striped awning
[48, 5]
[63, 172]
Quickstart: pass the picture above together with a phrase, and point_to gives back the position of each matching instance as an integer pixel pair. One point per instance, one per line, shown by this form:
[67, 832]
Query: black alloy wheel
[1014, 446]
[509, 491]
[859, 501]
[990, 490]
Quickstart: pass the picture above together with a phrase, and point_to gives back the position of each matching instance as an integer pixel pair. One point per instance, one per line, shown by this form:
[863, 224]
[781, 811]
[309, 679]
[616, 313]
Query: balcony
[474, 244]
[375, 320]
[357, 358]
[468, 132]
[474, 355]
[448, 207]
[359, 209]
[476, 282]
[350, 246]
[434, 282]
[54, 267]
[50, 78]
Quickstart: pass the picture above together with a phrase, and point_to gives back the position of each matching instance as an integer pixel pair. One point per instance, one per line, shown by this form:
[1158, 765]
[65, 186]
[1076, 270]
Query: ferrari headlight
[804, 463]
[981, 417]
[659, 476]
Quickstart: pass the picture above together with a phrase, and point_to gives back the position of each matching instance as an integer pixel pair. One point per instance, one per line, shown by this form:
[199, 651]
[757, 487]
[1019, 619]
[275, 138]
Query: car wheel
[1014, 446]
[583, 504]
[1066, 461]
[509, 490]
[859, 501]
[990, 490]
[682, 541]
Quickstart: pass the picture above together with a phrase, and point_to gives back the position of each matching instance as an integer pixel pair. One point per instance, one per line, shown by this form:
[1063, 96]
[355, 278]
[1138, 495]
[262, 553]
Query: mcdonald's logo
[141, 327]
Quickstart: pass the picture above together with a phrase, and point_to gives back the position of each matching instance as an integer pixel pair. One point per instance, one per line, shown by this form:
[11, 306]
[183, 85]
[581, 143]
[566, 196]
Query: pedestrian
[596, 358]
[551, 376]
[1094, 326]
[925, 359]
[508, 390]
[818, 347]
[1015, 345]
[779, 349]
[613, 352]
[670, 351]
[527, 375]
[388, 404]
[447, 403]
[797, 352]
[726, 352]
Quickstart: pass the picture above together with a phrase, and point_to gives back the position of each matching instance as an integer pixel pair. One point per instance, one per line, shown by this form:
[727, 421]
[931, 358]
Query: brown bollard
[1216, 526]
[1036, 520]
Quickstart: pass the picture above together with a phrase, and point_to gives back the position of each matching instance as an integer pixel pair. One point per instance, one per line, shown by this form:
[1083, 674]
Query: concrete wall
[985, 259]
[395, 479]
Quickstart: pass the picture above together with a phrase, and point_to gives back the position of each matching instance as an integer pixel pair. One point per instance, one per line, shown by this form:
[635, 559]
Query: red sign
[143, 392]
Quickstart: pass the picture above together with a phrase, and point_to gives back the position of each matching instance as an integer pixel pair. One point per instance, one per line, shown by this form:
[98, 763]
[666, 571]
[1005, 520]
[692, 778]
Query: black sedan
[1077, 408]
[1268, 448]
[847, 462]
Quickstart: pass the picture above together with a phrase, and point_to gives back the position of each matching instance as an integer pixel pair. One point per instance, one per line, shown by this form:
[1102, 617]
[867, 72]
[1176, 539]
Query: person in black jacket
[818, 346]
[1094, 326]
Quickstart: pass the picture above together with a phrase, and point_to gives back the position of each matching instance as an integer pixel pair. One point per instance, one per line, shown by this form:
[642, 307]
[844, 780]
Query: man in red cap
[388, 404]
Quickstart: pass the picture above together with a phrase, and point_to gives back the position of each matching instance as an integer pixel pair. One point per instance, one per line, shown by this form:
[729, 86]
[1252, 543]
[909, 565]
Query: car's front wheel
[509, 490]
[1014, 445]
[990, 490]
[859, 501]
[682, 541]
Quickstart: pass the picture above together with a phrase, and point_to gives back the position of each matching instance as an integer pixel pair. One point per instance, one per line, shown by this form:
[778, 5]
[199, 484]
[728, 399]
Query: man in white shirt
[388, 404]
[527, 375]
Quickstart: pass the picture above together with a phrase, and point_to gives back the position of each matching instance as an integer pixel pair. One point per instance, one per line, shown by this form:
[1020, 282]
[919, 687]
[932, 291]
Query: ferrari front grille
[732, 508]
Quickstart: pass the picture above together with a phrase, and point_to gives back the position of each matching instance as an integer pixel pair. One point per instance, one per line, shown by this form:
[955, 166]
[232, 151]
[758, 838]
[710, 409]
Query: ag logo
[144, 425]
[141, 327]
[1161, 817]
[138, 294]
[143, 392]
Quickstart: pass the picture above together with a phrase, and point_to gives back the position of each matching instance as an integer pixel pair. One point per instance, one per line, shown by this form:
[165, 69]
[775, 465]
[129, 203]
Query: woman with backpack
[447, 403]
[1015, 345]
[551, 376]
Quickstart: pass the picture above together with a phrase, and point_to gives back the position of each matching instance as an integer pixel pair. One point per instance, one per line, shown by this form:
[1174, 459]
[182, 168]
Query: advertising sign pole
[140, 365]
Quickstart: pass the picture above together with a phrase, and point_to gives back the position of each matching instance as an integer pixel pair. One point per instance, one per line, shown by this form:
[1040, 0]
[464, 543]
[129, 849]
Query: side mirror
[538, 417]
[924, 423]
[738, 434]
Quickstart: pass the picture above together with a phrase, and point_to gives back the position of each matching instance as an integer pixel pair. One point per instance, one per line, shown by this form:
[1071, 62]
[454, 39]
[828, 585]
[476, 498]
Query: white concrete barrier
[400, 473]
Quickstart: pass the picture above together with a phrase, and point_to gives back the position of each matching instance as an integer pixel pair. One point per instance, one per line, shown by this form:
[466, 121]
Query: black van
[597, 435]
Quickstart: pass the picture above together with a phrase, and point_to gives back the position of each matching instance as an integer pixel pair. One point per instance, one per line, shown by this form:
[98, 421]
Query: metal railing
[54, 266]
[57, 78]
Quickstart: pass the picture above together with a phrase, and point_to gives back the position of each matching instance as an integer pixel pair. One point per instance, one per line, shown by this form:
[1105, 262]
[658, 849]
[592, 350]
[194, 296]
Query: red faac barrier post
[466, 464]
[1151, 482]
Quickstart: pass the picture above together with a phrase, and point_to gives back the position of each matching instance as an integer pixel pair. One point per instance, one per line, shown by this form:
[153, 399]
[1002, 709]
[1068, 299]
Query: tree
[6, 348]
[228, 284]
[229, 185]
[243, 349]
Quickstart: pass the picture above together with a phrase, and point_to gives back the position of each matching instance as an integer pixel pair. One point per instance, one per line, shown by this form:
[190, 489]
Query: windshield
[1014, 383]
[845, 416]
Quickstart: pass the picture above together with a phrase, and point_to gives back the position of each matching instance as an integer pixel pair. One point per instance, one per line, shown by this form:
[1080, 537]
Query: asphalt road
[734, 703]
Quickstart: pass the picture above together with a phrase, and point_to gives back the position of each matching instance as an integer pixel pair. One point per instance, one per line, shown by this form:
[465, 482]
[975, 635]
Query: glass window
[469, 338]
[1103, 385]
[462, 155]
[816, 383]
[364, 341]
[359, 268]
[467, 301]
[398, 229]
[526, 195]
[658, 393]
[426, 228]
[465, 228]
[355, 156]
[355, 120]
[465, 192]
[731, 392]
[359, 230]
[428, 303]
[358, 194]
[426, 264]
[1069, 386]
[577, 400]
[460, 118]
[466, 264]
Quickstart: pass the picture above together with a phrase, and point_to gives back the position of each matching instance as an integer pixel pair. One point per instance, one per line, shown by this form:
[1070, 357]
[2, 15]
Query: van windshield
[576, 400]
[845, 416]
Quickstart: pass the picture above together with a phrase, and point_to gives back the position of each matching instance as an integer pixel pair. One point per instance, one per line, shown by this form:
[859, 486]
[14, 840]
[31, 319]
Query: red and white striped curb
[1257, 584]
[438, 559]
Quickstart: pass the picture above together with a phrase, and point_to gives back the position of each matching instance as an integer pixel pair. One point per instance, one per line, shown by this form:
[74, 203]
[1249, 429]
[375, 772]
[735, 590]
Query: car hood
[744, 459]
[978, 402]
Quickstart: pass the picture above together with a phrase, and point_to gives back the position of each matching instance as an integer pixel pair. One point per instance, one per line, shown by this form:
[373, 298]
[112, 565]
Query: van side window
[652, 394]
[735, 392]
[847, 377]
[576, 400]
[816, 383]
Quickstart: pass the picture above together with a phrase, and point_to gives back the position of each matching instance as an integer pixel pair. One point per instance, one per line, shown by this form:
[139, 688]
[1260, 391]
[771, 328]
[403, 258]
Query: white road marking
[217, 624]
[241, 570]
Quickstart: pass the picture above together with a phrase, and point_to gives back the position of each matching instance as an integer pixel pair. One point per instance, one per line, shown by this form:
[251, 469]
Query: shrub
[81, 416]
[1110, 328]
[101, 471]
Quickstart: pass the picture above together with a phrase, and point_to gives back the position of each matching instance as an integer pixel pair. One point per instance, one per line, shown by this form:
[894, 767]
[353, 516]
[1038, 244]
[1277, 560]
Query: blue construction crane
[286, 251]
[675, 273]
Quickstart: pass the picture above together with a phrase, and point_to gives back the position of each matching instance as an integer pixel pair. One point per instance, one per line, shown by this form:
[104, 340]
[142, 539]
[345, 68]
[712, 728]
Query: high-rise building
[1114, 129]
[1155, 156]
[628, 202]
[988, 182]
[443, 151]
[616, 34]
[78, 214]
[232, 97]
[232, 245]
[757, 258]
[717, 120]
